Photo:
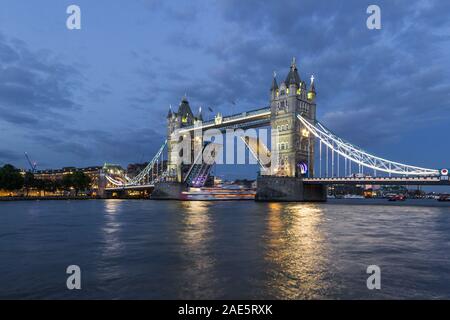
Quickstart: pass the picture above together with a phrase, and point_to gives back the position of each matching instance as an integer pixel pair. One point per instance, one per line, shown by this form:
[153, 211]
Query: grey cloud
[33, 85]
[95, 146]
[99, 93]
[393, 78]
[384, 79]
[7, 156]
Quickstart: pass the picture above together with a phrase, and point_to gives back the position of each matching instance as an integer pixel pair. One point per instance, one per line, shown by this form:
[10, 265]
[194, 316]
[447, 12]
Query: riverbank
[47, 198]
[66, 198]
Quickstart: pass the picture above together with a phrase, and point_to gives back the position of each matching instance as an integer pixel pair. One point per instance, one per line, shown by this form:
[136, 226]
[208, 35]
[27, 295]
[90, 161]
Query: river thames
[137, 249]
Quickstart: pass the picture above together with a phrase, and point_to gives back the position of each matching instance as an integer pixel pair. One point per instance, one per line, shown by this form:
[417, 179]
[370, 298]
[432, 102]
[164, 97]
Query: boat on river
[216, 193]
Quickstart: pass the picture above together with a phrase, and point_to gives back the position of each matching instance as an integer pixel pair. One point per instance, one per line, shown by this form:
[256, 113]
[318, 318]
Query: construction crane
[32, 164]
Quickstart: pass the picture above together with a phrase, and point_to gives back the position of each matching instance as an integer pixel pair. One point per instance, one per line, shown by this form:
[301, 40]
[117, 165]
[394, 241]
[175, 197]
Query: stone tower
[184, 117]
[292, 145]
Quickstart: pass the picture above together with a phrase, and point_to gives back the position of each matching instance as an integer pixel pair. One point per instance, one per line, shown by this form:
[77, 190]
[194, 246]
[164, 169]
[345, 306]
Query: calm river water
[194, 250]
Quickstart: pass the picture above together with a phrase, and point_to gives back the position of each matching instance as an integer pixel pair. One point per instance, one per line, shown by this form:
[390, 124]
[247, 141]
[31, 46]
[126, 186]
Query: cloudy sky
[84, 97]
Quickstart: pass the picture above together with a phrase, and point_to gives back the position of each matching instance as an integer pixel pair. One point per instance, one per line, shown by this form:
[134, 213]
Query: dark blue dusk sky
[101, 94]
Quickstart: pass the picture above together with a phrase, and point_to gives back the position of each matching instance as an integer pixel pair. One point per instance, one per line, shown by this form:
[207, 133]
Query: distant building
[113, 169]
[58, 174]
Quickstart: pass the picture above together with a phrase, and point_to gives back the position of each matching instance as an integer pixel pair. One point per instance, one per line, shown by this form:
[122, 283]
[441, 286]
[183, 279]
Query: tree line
[12, 179]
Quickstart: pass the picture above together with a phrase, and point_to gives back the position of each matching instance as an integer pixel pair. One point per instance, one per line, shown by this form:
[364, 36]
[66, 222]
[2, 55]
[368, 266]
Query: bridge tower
[184, 117]
[292, 145]
[175, 121]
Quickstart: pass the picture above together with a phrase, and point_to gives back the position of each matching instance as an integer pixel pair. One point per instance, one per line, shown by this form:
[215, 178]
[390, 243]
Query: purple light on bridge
[199, 181]
[303, 167]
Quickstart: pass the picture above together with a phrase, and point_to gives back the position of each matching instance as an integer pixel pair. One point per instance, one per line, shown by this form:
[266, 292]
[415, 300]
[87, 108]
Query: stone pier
[273, 188]
[168, 191]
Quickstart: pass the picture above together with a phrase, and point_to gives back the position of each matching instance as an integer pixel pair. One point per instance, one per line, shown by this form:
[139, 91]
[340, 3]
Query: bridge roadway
[429, 181]
[243, 120]
[426, 181]
[131, 187]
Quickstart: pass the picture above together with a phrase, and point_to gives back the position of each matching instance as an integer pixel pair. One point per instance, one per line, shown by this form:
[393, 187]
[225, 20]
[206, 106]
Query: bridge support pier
[168, 191]
[273, 188]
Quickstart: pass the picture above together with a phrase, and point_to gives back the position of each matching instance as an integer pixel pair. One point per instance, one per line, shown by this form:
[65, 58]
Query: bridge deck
[379, 181]
[254, 118]
[137, 187]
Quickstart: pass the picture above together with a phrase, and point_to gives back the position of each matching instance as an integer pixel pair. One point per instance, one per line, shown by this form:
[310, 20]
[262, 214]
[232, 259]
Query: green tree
[28, 182]
[10, 178]
[77, 180]
[46, 185]
[80, 181]
[67, 182]
[57, 185]
[49, 186]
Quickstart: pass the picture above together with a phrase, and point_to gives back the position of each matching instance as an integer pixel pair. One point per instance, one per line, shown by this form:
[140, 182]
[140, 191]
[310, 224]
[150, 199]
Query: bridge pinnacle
[293, 78]
[312, 89]
[200, 116]
[274, 82]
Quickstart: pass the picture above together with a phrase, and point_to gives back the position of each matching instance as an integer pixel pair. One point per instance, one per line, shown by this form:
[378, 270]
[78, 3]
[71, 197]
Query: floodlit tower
[292, 145]
[175, 121]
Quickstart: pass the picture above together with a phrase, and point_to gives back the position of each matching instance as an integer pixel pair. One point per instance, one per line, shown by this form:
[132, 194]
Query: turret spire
[312, 87]
[274, 82]
[184, 111]
[293, 77]
[199, 116]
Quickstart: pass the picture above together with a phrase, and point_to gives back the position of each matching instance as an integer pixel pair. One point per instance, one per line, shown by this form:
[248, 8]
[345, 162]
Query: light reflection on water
[112, 246]
[298, 251]
[196, 235]
[113, 206]
[248, 250]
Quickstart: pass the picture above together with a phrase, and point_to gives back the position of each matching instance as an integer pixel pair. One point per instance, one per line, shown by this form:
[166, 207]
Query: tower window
[303, 107]
[282, 146]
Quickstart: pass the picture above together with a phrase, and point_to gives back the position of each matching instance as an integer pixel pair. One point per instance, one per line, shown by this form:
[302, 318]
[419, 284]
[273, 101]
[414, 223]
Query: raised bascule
[289, 171]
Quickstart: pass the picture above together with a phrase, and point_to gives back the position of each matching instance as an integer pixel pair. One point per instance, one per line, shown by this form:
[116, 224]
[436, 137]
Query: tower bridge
[298, 140]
